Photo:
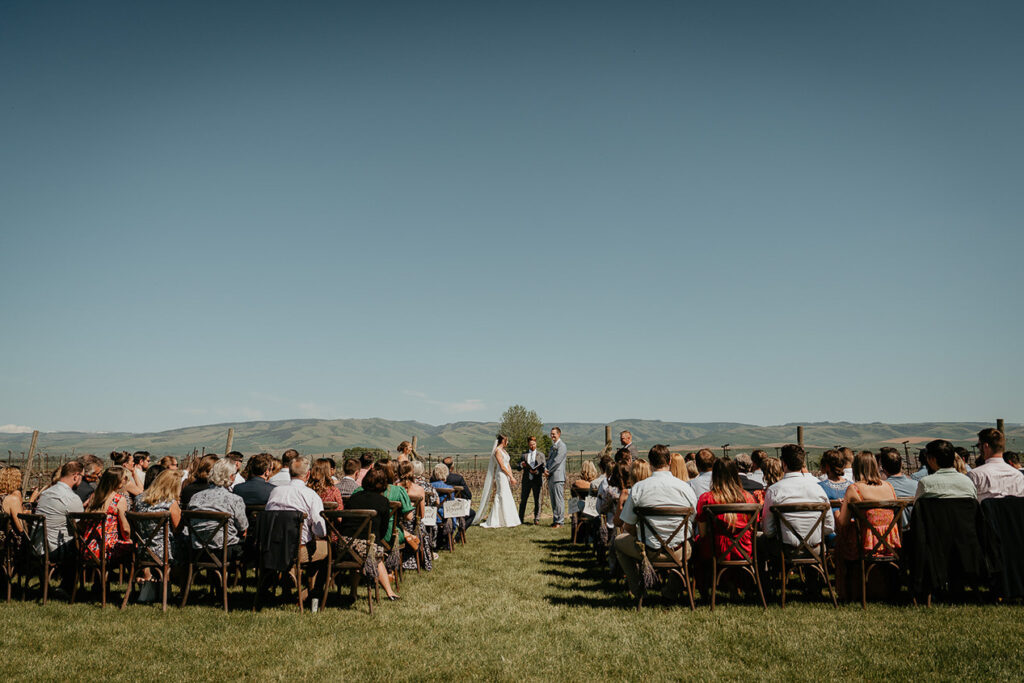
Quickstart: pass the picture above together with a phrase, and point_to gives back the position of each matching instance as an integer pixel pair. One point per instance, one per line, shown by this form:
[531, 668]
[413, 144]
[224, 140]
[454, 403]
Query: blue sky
[755, 212]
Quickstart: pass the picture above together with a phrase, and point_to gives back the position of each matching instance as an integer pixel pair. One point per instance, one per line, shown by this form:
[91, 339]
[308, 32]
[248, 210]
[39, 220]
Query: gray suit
[555, 467]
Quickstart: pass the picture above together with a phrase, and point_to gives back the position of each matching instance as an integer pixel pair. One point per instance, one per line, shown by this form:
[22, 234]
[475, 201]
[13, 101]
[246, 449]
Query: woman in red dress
[110, 496]
[725, 488]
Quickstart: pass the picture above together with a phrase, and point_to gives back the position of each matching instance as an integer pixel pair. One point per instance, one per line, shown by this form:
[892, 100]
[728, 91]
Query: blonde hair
[166, 487]
[677, 465]
[772, 468]
[639, 470]
[589, 471]
[10, 481]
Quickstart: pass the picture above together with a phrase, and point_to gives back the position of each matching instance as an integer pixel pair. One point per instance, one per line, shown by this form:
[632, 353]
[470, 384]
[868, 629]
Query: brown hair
[112, 480]
[376, 480]
[404, 447]
[350, 466]
[772, 469]
[726, 486]
[865, 469]
[70, 468]
[320, 477]
[705, 460]
[659, 455]
[993, 438]
[405, 472]
[201, 468]
[832, 463]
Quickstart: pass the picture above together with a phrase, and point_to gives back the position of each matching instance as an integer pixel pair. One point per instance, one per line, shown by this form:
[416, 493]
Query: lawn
[513, 603]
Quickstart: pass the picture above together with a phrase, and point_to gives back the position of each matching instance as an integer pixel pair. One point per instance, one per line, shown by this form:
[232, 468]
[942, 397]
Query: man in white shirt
[705, 463]
[236, 458]
[996, 478]
[297, 496]
[794, 487]
[283, 478]
[532, 464]
[658, 490]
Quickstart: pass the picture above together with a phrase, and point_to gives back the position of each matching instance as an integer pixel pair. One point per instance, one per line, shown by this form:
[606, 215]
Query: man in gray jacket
[554, 470]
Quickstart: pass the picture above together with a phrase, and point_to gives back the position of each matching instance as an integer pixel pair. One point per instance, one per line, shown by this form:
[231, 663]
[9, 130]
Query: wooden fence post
[231, 438]
[800, 436]
[28, 464]
[999, 425]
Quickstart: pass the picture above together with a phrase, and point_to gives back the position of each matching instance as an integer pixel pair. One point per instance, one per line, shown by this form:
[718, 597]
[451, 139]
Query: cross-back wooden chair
[344, 557]
[719, 529]
[875, 548]
[665, 560]
[330, 505]
[205, 553]
[395, 545]
[151, 541]
[417, 524]
[804, 554]
[84, 527]
[449, 525]
[7, 550]
[278, 519]
[577, 520]
[36, 551]
[250, 549]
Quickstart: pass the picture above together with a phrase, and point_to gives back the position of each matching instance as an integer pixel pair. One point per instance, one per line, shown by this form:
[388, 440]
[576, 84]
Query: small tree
[519, 424]
[356, 451]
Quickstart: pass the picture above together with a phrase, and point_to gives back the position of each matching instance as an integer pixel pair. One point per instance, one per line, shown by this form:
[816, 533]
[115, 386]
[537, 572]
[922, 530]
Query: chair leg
[188, 586]
[714, 581]
[760, 589]
[828, 584]
[863, 585]
[128, 590]
[785, 579]
[224, 586]
[164, 579]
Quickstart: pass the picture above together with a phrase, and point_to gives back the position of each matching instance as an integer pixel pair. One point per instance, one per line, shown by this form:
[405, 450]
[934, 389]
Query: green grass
[513, 603]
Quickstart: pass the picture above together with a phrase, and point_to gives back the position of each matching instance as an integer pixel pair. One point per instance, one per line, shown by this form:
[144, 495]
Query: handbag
[412, 541]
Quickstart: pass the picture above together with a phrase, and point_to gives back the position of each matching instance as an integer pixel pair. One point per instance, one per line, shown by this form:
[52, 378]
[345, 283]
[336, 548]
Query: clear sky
[754, 212]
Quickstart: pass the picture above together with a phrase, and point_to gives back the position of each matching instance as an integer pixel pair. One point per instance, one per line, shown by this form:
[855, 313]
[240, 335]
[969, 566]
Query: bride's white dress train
[504, 512]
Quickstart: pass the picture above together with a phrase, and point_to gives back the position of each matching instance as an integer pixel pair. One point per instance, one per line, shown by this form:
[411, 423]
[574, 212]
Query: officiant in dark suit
[532, 465]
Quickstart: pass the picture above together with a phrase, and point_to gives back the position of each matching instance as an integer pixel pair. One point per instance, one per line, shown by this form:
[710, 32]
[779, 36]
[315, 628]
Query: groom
[532, 464]
[554, 470]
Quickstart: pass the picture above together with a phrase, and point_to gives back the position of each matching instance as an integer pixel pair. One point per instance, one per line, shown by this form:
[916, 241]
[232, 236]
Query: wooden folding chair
[460, 522]
[395, 545]
[36, 551]
[7, 550]
[417, 524]
[250, 549]
[204, 553]
[342, 556]
[449, 525]
[149, 529]
[803, 554]
[734, 537]
[664, 559]
[279, 518]
[880, 551]
[84, 527]
[577, 520]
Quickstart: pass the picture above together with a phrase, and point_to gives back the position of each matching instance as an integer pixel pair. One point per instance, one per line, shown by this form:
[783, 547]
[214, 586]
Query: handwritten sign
[456, 508]
[429, 516]
[590, 506]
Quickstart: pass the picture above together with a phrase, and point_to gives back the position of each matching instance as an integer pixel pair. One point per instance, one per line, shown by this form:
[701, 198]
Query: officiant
[532, 465]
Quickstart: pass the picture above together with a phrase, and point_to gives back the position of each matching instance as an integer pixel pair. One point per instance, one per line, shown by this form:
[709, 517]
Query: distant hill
[333, 436]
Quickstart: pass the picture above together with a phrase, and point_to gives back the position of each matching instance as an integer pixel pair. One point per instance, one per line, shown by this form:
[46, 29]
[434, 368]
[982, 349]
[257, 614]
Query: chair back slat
[203, 526]
[880, 545]
[734, 537]
[147, 527]
[646, 515]
[342, 550]
[804, 547]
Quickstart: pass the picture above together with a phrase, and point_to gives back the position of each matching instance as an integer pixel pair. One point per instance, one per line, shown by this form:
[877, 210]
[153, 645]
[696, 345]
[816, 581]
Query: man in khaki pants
[659, 489]
[297, 496]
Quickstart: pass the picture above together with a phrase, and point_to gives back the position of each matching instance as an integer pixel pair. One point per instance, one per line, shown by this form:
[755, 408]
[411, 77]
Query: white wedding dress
[503, 506]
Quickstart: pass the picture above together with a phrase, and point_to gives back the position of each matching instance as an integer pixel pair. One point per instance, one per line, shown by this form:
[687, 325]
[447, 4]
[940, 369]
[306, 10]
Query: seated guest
[604, 468]
[92, 469]
[348, 483]
[284, 477]
[217, 497]
[369, 497]
[772, 470]
[151, 474]
[833, 463]
[169, 462]
[365, 463]
[847, 454]
[677, 466]
[945, 482]
[588, 473]
[996, 478]
[757, 458]
[124, 460]
[923, 470]
[321, 483]
[420, 496]
[198, 479]
[12, 503]
[725, 488]
[140, 463]
[868, 486]
[640, 470]
[256, 489]
[794, 487]
[162, 496]
[54, 504]
[237, 458]
[298, 496]
[111, 497]
[705, 463]
[456, 479]
[397, 494]
[892, 466]
[1012, 459]
[624, 455]
[660, 489]
[745, 465]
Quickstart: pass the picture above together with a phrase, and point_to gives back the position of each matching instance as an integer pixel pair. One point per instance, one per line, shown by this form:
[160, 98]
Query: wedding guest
[11, 500]
[945, 481]
[640, 470]
[369, 497]
[320, 482]
[256, 489]
[757, 458]
[140, 463]
[124, 460]
[618, 491]
[92, 468]
[237, 459]
[111, 497]
[624, 455]
[407, 479]
[297, 495]
[705, 461]
[745, 465]
[284, 477]
[348, 483]
[588, 473]
[626, 439]
[169, 462]
[365, 463]
[691, 470]
[772, 469]
[55, 503]
[835, 483]
[868, 486]
[892, 466]
[996, 478]
[847, 454]
[725, 489]
[198, 479]
[659, 489]
[456, 479]
[794, 487]
[678, 467]
[162, 496]
[217, 497]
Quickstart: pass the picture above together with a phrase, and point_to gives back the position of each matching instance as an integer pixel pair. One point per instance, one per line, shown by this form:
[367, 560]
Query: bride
[503, 508]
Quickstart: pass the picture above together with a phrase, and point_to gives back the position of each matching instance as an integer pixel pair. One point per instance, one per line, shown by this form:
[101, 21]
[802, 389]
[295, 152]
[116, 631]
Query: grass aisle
[513, 604]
